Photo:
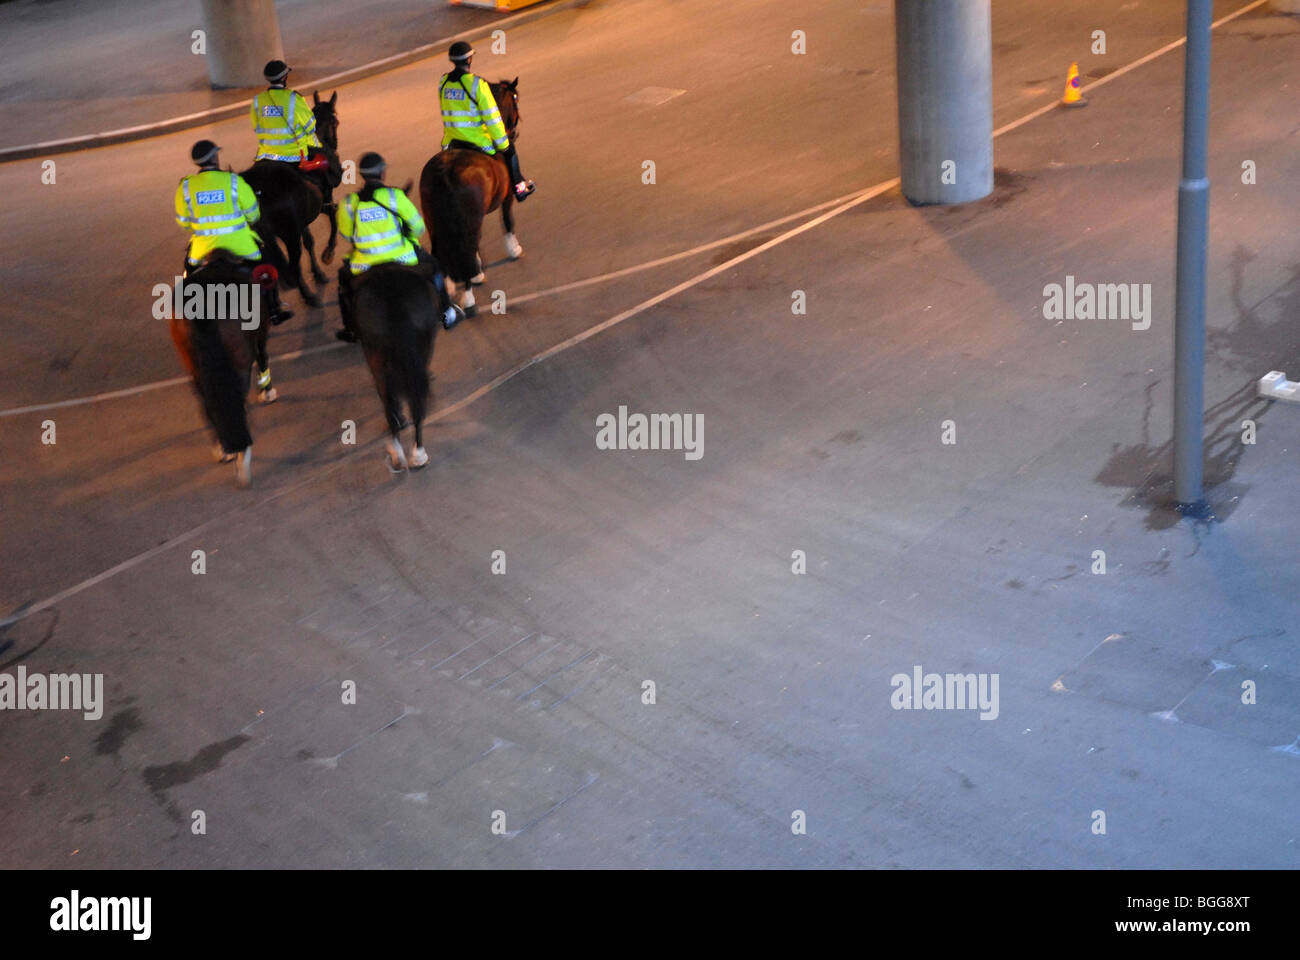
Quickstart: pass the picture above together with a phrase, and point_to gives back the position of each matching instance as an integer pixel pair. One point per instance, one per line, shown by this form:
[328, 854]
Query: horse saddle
[316, 165]
[225, 258]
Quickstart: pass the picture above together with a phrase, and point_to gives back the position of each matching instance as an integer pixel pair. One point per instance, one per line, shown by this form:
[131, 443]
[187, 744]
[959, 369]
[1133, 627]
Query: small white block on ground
[1275, 386]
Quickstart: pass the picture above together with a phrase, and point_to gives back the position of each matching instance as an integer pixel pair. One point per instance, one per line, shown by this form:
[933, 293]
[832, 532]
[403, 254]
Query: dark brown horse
[292, 199]
[218, 348]
[458, 189]
[397, 316]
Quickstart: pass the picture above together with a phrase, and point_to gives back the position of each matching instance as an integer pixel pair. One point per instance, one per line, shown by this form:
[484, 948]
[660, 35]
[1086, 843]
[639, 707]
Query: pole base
[1275, 386]
[1199, 510]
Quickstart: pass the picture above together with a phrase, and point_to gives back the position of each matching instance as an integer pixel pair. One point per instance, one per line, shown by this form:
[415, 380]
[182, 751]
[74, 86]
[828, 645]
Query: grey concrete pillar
[241, 36]
[945, 99]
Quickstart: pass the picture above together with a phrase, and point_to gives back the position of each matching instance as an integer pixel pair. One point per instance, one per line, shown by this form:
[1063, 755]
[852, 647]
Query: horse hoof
[396, 457]
[470, 311]
[311, 301]
[244, 468]
[269, 395]
[478, 279]
[514, 249]
[321, 279]
[220, 455]
[418, 458]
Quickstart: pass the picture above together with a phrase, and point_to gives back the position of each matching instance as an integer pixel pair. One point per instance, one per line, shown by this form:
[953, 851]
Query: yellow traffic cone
[1073, 96]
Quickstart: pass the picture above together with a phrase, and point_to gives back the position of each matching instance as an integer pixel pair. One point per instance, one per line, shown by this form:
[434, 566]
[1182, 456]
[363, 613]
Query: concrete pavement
[523, 691]
[76, 68]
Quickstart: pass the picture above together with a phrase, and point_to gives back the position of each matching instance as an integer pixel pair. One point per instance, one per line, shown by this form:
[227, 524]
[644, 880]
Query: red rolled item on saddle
[265, 275]
[318, 162]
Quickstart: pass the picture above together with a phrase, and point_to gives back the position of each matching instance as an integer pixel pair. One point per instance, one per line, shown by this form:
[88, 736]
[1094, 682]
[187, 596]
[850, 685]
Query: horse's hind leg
[309, 242]
[330, 208]
[293, 243]
[466, 290]
[388, 399]
[465, 298]
[418, 401]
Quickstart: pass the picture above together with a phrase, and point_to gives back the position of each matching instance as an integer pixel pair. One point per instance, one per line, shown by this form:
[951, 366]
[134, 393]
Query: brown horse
[458, 188]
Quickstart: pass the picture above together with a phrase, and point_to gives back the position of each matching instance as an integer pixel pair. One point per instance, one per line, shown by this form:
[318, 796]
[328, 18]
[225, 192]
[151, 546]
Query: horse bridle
[512, 131]
[334, 127]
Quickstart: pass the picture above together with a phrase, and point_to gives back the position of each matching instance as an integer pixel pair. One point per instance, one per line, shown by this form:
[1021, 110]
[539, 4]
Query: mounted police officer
[282, 119]
[383, 226]
[470, 117]
[219, 208]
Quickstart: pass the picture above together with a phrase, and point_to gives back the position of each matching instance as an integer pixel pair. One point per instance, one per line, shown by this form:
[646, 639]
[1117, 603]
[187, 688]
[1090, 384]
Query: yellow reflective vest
[375, 228]
[218, 208]
[469, 112]
[284, 124]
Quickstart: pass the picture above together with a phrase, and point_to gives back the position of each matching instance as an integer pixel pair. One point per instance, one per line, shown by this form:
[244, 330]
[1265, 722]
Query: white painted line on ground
[645, 305]
[524, 298]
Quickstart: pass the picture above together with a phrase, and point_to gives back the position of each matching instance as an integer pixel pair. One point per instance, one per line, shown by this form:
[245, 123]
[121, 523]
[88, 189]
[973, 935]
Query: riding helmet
[460, 51]
[275, 71]
[372, 165]
[203, 151]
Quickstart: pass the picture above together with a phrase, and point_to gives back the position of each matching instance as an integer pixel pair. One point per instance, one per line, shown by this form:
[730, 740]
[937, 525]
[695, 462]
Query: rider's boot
[348, 332]
[522, 187]
[451, 314]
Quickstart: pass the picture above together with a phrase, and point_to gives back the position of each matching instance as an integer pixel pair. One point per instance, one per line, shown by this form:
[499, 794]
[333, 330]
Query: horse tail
[396, 321]
[272, 253]
[455, 247]
[219, 386]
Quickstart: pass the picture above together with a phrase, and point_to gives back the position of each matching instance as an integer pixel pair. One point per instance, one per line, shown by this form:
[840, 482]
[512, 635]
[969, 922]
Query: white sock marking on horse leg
[396, 455]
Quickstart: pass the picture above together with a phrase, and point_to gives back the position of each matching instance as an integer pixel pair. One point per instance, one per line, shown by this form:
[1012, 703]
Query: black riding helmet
[203, 152]
[460, 52]
[275, 71]
[372, 166]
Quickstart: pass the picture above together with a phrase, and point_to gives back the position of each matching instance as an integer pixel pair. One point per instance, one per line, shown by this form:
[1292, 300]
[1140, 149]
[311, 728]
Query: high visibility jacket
[469, 112]
[218, 208]
[284, 124]
[382, 230]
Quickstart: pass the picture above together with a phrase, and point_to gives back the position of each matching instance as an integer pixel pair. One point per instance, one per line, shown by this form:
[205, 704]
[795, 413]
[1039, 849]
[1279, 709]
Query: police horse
[218, 351]
[292, 196]
[459, 187]
[397, 312]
